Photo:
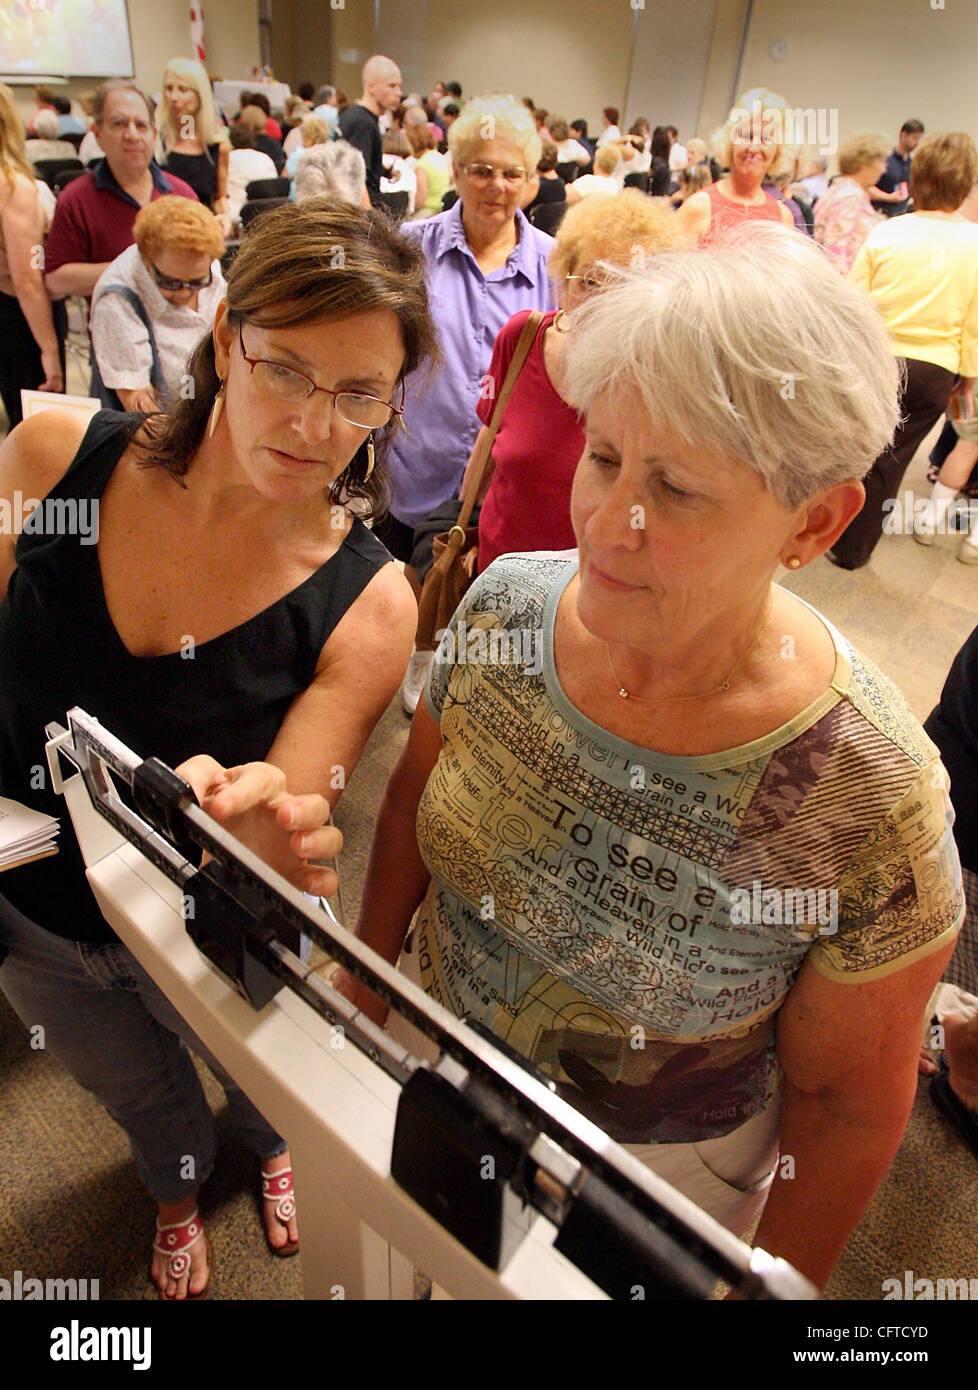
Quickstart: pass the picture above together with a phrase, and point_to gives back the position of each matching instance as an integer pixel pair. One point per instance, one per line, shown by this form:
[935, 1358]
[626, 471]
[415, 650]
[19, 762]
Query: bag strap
[524, 343]
[157, 379]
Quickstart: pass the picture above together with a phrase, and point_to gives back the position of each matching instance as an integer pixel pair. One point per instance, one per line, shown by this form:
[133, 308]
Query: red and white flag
[197, 30]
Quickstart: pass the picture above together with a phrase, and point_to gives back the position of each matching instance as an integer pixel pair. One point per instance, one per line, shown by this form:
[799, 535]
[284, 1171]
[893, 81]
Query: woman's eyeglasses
[484, 173]
[173, 285]
[355, 407]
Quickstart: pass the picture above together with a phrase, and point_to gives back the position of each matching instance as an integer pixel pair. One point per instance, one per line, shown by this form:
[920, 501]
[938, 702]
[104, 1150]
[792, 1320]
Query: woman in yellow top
[431, 170]
[922, 272]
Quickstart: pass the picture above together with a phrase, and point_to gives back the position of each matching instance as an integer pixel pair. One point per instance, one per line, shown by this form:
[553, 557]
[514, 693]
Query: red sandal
[173, 1242]
[277, 1187]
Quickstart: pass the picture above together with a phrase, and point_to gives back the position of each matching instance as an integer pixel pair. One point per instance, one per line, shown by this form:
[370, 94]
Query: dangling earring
[216, 411]
[370, 457]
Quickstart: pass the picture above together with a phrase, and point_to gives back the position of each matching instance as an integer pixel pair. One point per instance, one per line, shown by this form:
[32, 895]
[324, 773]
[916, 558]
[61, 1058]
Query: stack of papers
[25, 835]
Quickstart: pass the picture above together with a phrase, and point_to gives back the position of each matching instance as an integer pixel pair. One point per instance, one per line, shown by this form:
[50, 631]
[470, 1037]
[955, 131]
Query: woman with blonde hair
[527, 488]
[193, 142]
[29, 351]
[152, 304]
[750, 145]
[313, 130]
[844, 215]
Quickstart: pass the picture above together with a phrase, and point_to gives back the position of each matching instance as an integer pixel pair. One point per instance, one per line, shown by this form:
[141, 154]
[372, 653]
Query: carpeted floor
[70, 1201]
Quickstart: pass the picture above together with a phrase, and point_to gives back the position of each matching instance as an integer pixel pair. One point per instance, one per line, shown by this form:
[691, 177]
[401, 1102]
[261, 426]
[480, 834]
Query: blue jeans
[119, 1036]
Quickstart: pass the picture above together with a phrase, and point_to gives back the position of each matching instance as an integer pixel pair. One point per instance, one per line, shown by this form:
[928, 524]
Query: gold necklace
[702, 694]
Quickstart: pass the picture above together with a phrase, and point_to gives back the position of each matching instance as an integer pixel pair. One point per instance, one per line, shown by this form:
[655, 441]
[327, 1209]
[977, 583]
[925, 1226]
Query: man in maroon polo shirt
[94, 214]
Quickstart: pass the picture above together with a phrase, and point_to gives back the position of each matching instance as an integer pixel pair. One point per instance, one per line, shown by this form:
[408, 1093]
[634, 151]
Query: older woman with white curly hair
[485, 263]
[671, 836]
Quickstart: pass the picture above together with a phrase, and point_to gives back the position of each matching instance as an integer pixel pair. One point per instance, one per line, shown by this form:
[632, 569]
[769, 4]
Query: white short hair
[335, 170]
[754, 349]
[496, 116]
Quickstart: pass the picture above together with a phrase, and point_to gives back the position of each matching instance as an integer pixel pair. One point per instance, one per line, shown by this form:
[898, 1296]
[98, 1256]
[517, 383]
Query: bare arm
[694, 215]
[75, 277]
[21, 224]
[421, 196]
[849, 1055]
[221, 208]
[33, 458]
[361, 666]
[397, 877]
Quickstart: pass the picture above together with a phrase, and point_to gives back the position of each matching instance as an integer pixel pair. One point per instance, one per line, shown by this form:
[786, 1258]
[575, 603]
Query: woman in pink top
[750, 145]
[844, 216]
[540, 440]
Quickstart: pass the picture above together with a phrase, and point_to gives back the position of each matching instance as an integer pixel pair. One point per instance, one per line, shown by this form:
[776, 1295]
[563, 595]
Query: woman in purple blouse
[485, 263]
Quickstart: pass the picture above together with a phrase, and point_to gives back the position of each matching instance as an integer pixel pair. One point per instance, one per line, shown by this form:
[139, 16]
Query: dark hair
[581, 125]
[673, 131]
[660, 143]
[912, 128]
[449, 109]
[611, 112]
[453, 89]
[62, 105]
[258, 99]
[119, 84]
[288, 271]
[306, 90]
[241, 138]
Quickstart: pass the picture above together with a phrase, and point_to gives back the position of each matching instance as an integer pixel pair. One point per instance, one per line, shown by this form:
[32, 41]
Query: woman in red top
[540, 440]
[750, 145]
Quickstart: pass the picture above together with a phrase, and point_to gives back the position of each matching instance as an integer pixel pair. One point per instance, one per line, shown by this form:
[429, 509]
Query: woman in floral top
[844, 216]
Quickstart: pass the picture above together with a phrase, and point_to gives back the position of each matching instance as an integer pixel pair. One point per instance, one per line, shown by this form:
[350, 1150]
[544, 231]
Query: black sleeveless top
[199, 170]
[59, 648]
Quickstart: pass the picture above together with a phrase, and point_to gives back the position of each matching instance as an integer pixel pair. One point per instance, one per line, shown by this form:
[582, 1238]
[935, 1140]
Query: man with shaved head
[360, 123]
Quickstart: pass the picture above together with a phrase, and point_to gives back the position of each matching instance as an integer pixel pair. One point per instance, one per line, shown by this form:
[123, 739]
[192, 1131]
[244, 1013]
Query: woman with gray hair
[335, 170]
[671, 836]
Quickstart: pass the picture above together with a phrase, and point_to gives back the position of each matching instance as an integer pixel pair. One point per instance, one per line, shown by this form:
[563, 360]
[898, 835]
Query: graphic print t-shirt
[631, 922]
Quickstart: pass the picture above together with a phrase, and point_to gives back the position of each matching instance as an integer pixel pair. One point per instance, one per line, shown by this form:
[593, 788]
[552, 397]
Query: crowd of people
[651, 757]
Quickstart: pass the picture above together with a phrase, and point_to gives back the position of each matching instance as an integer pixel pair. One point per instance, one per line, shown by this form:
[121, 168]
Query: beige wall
[571, 58]
[672, 41]
[875, 64]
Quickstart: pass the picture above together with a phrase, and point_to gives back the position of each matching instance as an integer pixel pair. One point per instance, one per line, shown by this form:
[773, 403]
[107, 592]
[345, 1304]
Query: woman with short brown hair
[224, 525]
